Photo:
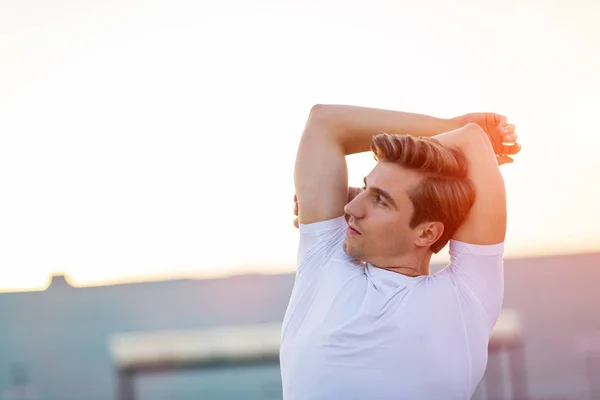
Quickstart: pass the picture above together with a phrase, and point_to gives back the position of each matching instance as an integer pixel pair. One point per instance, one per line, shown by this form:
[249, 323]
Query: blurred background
[146, 166]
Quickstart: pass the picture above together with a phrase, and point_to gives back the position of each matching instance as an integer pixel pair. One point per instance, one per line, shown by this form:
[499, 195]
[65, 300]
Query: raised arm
[486, 222]
[331, 133]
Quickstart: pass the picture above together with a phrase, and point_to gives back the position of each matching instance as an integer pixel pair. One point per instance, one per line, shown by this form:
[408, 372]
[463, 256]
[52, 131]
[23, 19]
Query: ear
[429, 233]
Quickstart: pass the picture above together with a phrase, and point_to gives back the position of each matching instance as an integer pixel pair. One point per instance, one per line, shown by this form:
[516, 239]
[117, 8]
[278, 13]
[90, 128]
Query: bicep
[477, 271]
[486, 221]
[320, 176]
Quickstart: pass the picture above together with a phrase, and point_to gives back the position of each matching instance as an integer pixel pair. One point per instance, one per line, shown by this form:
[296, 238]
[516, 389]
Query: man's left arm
[486, 222]
[477, 247]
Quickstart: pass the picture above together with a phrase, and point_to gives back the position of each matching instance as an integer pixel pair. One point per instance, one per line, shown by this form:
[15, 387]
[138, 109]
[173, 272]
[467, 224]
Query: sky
[156, 139]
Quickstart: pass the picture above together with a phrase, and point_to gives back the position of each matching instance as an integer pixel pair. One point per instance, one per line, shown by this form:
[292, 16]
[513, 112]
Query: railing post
[125, 384]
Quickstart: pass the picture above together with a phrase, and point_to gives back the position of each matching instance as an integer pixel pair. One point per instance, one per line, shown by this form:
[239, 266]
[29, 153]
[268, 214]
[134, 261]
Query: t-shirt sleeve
[319, 242]
[478, 271]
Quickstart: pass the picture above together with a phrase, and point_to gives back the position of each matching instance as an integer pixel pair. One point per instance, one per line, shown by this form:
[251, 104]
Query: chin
[347, 247]
[352, 251]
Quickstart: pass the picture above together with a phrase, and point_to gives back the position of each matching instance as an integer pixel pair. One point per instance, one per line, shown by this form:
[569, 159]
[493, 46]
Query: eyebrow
[381, 192]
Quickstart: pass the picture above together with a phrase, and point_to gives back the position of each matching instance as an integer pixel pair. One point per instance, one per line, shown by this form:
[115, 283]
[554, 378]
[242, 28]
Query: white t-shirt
[354, 331]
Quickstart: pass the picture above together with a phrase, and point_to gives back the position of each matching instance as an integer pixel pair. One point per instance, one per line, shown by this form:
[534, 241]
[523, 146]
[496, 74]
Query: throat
[407, 271]
[412, 269]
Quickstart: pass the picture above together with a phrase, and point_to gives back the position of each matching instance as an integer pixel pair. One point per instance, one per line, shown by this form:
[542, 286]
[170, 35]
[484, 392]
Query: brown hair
[444, 194]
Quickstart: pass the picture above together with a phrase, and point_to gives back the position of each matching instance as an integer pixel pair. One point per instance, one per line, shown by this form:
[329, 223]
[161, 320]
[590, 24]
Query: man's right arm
[321, 173]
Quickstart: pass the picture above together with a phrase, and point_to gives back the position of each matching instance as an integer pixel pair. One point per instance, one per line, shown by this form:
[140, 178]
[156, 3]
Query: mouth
[352, 231]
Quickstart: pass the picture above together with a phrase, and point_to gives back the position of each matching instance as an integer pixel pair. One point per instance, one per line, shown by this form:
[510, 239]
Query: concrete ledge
[238, 345]
[202, 347]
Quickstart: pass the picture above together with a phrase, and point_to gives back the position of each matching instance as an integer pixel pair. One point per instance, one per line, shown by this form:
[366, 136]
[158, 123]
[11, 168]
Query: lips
[354, 229]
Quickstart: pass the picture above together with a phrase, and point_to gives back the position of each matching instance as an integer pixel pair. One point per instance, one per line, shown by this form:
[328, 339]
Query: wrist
[457, 122]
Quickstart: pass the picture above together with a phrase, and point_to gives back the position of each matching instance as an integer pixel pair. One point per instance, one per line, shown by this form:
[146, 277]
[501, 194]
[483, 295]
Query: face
[381, 215]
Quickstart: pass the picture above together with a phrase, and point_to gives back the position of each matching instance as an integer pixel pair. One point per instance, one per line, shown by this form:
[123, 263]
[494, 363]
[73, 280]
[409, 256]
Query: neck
[416, 266]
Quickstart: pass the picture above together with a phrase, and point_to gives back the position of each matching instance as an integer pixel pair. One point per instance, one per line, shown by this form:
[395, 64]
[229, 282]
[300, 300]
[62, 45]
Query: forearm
[486, 222]
[353, 127]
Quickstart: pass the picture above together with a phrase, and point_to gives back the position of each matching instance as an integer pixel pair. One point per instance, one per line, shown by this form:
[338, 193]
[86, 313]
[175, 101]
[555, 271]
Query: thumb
[504, 159]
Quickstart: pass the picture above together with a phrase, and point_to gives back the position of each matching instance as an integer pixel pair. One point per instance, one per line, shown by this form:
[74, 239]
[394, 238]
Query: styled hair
[444, 193]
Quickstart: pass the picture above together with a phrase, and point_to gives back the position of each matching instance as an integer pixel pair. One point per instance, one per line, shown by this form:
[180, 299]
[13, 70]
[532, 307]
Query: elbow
[320, 119]
[474, 131]
[478, 148]
[319, 109]
[475, 136]
[319, 113]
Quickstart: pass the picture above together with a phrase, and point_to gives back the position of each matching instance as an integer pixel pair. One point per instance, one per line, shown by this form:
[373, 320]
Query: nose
[353, 208]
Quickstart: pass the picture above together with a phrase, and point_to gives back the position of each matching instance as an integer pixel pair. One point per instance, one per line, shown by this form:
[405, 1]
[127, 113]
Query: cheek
[394, 233]
[389, 229]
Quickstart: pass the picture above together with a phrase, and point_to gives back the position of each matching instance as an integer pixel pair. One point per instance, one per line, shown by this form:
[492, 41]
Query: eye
[379, 200]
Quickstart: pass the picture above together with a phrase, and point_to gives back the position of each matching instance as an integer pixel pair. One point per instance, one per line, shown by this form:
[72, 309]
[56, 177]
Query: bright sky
[157, 139]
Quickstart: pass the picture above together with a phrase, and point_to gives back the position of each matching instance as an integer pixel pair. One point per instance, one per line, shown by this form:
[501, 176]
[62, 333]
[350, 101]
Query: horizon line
[231, 272]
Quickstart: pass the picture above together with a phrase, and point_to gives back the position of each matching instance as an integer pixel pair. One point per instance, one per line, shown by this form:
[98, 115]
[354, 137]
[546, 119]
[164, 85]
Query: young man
[365, 318]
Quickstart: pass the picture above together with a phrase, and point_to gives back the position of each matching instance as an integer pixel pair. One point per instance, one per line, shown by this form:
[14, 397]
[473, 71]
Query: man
[365, 319]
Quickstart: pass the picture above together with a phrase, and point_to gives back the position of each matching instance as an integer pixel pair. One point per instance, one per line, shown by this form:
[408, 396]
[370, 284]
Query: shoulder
[323, 227]
[458, 247]
[321, 242]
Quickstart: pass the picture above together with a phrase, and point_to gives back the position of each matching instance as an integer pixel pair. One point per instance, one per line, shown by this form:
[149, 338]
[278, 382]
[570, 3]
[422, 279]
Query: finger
[502, 120]
[295, 198]
[504, 159]
[512, 138]
[296, 209]
[296, 222]
[508, 129]
[511, 149]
